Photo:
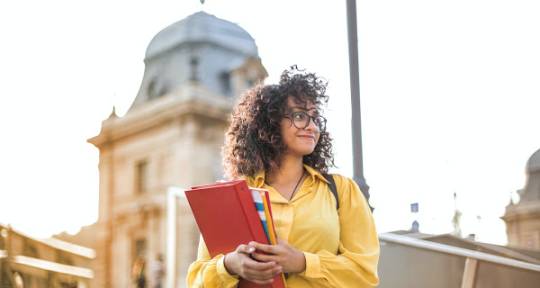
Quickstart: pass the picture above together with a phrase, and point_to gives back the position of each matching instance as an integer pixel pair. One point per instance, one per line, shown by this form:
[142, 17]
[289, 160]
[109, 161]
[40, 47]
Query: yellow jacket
[341, 246]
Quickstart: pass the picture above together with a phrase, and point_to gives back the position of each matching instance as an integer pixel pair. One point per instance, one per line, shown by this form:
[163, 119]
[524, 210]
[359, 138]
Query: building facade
[523, 218]
[170, 137]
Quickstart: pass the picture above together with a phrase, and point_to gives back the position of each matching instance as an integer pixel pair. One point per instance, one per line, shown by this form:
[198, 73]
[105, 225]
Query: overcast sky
[449, 93]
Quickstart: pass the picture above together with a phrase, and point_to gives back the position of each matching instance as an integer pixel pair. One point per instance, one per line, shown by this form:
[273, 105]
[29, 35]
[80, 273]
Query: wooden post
[469, 273]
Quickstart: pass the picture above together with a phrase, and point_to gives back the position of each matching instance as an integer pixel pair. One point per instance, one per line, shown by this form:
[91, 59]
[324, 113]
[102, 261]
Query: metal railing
[472, 257]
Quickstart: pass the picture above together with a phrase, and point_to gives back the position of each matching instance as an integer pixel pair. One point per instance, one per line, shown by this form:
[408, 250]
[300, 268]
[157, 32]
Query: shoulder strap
[332, 186]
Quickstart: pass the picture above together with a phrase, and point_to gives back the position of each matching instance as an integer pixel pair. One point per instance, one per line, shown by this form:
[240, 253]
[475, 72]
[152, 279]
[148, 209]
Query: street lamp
[356, 122]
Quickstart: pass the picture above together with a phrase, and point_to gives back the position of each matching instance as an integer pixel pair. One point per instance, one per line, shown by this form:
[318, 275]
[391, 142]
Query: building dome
[206, 28]
[533, 164]
[200, 50]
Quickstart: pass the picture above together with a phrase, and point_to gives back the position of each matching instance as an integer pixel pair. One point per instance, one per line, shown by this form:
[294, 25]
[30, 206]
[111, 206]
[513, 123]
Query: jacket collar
[259, 178]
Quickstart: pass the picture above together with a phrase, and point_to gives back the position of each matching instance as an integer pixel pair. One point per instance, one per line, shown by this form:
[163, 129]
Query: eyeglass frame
[321, 127]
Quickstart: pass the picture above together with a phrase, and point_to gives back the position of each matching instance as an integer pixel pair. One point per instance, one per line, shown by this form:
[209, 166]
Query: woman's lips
[307, 136]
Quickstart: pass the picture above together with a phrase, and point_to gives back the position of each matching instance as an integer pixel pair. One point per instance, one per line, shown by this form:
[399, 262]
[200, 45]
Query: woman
[277, 140]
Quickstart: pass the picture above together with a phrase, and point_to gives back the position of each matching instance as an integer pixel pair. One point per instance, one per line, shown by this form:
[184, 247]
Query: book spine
[252, 217]
[260, 205]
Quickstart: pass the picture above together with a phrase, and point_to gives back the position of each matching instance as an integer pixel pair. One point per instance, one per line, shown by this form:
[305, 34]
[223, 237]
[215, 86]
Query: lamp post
[356, 122]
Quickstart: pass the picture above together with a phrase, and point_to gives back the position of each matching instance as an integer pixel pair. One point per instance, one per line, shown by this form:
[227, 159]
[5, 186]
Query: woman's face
[300, 140]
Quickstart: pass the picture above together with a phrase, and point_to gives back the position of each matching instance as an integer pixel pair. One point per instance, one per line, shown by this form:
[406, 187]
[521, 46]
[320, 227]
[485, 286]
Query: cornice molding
[192, 100]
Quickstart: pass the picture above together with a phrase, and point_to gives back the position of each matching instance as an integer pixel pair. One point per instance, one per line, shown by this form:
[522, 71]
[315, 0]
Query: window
[63, 258]
[225, 80]
[139, 248]
[156, 90]
[194, 67]
[141, 177]
[2, 241]
[152, 90]
[29, 249]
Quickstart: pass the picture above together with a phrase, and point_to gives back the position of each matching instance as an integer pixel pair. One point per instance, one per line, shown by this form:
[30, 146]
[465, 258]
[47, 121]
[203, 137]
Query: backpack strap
[332, 186]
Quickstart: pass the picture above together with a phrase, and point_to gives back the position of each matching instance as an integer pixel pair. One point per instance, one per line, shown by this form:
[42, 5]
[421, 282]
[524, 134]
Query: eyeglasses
[301, 120]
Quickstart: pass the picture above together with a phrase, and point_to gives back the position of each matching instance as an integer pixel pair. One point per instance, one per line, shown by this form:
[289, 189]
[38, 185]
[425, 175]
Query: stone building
[38, 263]
[523, 218]
[170, 137]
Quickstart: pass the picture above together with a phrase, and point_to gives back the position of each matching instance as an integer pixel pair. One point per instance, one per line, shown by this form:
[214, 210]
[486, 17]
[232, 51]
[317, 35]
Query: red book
[227, 217]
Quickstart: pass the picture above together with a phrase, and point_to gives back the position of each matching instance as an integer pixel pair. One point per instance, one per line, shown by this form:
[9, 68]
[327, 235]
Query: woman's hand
[289, 258]
[240, 263]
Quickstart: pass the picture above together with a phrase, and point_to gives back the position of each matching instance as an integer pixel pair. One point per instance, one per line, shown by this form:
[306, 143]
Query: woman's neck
[290, 170]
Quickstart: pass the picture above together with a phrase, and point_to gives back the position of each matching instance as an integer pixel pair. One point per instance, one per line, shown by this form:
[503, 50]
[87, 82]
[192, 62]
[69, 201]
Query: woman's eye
[299, 116]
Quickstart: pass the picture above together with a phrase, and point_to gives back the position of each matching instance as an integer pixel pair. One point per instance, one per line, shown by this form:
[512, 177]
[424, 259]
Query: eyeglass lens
[301, 120]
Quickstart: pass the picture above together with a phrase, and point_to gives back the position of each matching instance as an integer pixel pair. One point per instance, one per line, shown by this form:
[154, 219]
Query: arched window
[141, 177]
[225, 81]
[152, 90]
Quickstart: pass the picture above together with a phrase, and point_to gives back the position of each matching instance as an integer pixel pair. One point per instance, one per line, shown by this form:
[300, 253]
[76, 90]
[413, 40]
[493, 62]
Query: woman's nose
[312, 126]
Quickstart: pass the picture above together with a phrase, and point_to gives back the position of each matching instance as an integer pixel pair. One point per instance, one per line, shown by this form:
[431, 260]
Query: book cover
[227, 217]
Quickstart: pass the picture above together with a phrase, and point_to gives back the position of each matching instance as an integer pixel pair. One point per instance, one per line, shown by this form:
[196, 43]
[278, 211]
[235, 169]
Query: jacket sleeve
[358, 255]
[209, 272]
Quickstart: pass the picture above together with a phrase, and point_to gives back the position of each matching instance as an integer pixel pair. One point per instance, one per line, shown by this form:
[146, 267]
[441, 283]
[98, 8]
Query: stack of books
[231, 213]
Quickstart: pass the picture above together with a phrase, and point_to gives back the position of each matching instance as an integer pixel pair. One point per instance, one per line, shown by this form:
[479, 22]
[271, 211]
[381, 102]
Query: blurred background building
[523, 218]
[170, 137]
[27, 262]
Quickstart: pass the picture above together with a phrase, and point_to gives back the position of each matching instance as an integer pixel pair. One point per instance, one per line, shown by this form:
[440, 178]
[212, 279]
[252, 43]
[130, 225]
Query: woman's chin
[305, 151]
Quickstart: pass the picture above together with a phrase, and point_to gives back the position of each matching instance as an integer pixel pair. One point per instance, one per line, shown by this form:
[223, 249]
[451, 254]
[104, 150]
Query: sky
[449, 98]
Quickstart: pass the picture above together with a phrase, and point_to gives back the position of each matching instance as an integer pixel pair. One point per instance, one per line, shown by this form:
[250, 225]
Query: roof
[202, 27]
[533, 164]
[56, 244]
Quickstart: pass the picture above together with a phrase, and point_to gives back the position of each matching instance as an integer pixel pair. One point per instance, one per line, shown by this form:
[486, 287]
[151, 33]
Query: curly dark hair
[253, 140]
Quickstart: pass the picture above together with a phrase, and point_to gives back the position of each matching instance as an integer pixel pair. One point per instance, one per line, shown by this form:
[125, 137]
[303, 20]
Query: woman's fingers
[260, 269]
[270, 249]
[258, 266]
[254, 270]
[262, 274]
[245, 249]
[264, 257]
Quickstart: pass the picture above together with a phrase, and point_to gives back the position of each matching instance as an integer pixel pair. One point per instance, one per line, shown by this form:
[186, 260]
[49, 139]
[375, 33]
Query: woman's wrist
[227, 263]
[301, 262]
